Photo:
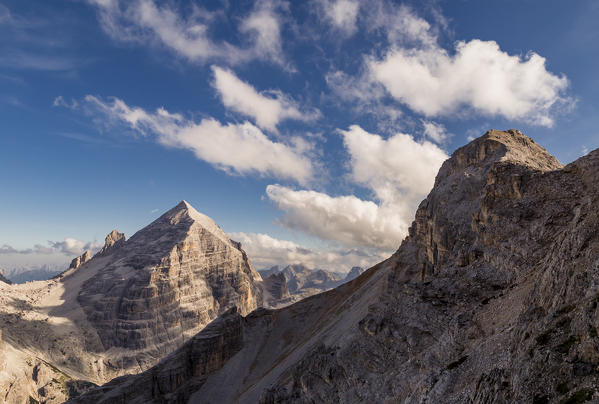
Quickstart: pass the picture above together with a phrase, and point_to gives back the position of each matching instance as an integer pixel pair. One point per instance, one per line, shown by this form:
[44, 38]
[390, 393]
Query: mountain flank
[491, 298]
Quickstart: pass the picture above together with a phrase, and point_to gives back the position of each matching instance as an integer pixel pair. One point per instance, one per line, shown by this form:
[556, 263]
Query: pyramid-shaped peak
[184, 212]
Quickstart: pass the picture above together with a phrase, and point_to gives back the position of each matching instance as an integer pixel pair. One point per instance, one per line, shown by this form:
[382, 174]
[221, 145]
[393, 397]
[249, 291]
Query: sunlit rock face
[492, 298]
[167, 282]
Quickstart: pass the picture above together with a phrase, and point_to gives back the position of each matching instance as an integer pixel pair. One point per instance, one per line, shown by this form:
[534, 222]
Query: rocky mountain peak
[510, 146]
[166, 282]
[82, 259]
[113, 240]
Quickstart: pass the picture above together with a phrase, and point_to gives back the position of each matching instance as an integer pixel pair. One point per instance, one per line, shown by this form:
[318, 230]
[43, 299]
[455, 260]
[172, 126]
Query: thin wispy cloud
[186, 32]
[234, 148]
[267, 109]
[69, 247]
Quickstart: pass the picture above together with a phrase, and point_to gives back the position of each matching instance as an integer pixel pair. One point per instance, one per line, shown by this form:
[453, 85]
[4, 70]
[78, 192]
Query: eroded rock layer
[492, 298]
[167, 282]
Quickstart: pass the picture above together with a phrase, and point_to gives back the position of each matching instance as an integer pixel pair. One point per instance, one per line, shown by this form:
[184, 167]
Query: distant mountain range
[296, 282]
[28, 274]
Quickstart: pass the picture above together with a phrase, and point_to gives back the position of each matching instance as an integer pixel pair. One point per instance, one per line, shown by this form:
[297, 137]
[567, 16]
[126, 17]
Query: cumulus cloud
[347, 219]
[70, 246]
[473, 77]
[479, 76]
[341, 14]
[267, 111]
[393, 168]
[233, 148]
[399, 171]
[187, 32]
[266, 251]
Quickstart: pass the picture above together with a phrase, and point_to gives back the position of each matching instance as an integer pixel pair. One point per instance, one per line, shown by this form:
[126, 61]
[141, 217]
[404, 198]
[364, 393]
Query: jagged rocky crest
[492, 298]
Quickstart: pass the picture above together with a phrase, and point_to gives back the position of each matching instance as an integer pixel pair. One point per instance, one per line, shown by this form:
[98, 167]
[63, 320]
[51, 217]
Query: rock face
[492, 298]
[276, 287]
[123, 310]
[82, 259]
[166, 283]
[114, 239]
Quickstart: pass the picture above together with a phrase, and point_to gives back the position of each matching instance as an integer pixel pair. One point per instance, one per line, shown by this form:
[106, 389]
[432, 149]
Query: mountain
[491, 298]
[353, 273]
[3, 279]
[28, 274]
[124, 309]
[301, 282]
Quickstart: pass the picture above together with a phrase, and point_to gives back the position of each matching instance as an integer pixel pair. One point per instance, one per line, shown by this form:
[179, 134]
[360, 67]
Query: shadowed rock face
[492, 298]
[167, 282]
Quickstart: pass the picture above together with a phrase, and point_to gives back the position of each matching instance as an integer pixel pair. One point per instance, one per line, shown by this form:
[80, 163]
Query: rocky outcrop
[82, 259]
[492, 298]
[113, 240]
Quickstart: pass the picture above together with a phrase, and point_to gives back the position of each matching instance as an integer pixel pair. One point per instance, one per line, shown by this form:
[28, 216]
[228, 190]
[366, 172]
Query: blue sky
[309, 130]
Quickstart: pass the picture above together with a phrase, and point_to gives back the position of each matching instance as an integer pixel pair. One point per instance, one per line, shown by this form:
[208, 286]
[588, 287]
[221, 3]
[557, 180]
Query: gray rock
[492, 298]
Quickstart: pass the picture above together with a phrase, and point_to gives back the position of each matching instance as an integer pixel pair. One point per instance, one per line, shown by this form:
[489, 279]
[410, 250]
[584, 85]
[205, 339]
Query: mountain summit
[491, 298]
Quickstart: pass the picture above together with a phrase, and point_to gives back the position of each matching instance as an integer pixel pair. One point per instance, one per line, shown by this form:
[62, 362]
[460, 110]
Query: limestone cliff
[492, 298]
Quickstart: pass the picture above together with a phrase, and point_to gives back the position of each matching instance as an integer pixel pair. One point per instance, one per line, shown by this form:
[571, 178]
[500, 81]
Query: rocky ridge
[492, 298]
[82, 259]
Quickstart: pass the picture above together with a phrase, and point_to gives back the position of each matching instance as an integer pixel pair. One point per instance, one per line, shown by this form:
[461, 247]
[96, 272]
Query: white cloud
[342, 14]
[266, 111]
[346, 219]
[265, 251]
[70, 246]
[239, 148]
[435, 131]
[399, 171]
[393, 168]
[400, 24]
[479, 76]
[187, 33]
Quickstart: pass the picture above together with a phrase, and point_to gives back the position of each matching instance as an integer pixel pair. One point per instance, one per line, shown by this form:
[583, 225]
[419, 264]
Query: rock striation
[167, 282]
[492, 298]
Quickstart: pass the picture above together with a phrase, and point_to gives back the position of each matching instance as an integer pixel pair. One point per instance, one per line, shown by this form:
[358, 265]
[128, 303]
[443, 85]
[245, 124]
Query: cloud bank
[266, 251]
